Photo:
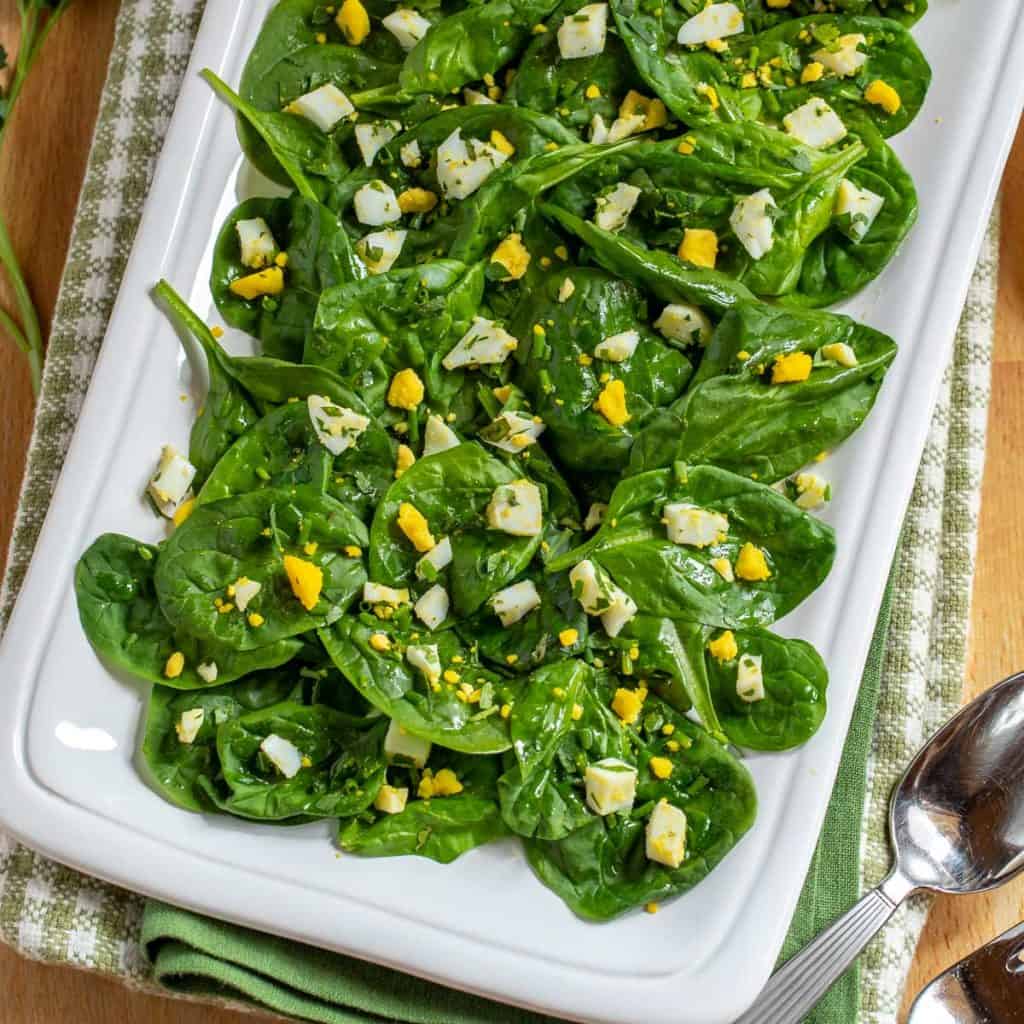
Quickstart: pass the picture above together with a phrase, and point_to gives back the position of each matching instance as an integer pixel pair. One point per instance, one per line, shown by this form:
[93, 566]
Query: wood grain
[40, 175]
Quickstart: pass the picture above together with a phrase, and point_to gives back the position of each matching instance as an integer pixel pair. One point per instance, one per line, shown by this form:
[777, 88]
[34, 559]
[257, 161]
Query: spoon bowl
[957, 816]
[957, 826]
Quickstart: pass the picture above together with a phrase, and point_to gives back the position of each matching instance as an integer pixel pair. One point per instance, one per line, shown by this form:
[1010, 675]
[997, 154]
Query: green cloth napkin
[913, 679]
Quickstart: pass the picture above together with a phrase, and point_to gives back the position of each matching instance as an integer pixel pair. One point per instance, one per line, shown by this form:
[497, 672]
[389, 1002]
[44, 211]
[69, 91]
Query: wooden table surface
[40, 174]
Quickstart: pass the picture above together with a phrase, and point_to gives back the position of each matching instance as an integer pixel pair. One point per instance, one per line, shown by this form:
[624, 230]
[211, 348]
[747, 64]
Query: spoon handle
[795, 989]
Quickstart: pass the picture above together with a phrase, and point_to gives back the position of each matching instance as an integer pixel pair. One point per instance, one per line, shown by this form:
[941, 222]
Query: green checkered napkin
[912, 681]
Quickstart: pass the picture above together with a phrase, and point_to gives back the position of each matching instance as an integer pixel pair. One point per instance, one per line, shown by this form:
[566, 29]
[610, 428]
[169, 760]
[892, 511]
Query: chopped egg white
[716, 21]
[815, 123]
[282, 754]
[336, 427]
[432, 608]
[188, 725]
[376, 204]
[598, 130]
[411, 155]
[512, 431]
[590, 588]
[595, 515]
[325, 106]
[622, 127]
[402, 747]
[438, 436]
[694, 526]
[425, 659]
[612, 211]
[379, 250]
[812, 491]
[371, 138]
[438, 558]
[666, 835]
[377, 593]
[846, 59]
[245, 590]
[515, 602]
[860, 205]
[463, 165]
[620, 611]
[683, 323]
[472, 98]
[172, 480]
[256, 242]
[484, 344]
[611, 786]
[516, 509]
[752, 223]
[617, 348]
[407, 26]
[839, 352]
[207, 671]
[750, 679]
[583, 34]
[565, 291]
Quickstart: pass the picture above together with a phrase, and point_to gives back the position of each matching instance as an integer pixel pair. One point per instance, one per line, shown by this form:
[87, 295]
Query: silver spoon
[986, 987]
[957, 826]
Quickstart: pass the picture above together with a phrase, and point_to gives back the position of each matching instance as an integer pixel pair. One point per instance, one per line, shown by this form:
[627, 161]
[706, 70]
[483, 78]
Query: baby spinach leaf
[556, 86]
[601, 869]
[440, 828]
[469, 44]
[795, 681]
[310, 160]
[368, 330]
[120, 615]
[733, 416]
[227, 412]
[449, 715]
[559, 725]
[557, 369]
[345, 766]
[288, 60]
[319, 256]
[835, 266]
[536, 638]
[678, 581]
[451, 490]
[175, 768]
[762, 16]
[663, 276]
[693, 190]
[249, 535]
[282, 449]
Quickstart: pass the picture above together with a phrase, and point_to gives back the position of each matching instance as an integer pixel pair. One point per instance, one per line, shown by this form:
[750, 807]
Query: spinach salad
[489, 538]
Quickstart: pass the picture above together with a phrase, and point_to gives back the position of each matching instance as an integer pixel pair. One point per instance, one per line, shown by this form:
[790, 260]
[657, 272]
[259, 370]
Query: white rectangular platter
[484, 924]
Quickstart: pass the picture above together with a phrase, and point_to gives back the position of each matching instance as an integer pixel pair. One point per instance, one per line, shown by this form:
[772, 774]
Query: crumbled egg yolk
[175, 665]
[812, 72]
[256, 620]
[611, 403]
[748, 81]
[444, 783]
[628, 704]
[352, 550]
[417, 200]
[501, 143]
[699, 247]
[406, 390]
[593, 92]
[752, 564]
[403, 460]
[883, 95]
[653, 110]
[513, 256]
[723, 647]
[414, 525]
[661, 767]
[709, 92]
[183, 511]
[306, 579]
[791, 368]
[506, 710]
[568, 637]
[353, 21]
[263, 282]
[577, 712]
[380, 642]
